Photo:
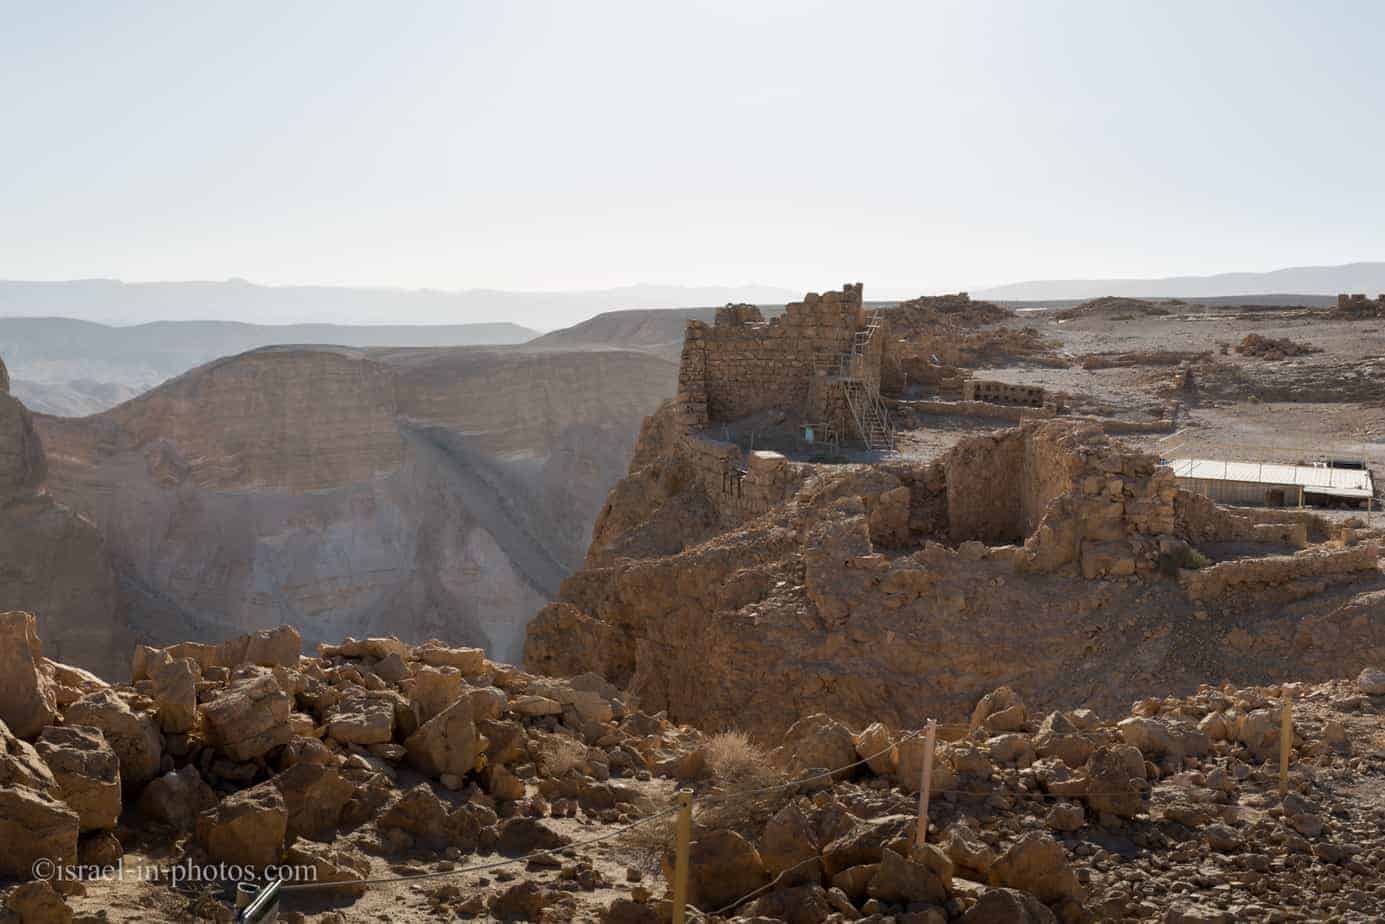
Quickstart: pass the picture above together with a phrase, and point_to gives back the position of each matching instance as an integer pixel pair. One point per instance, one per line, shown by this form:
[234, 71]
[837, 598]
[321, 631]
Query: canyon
[431, 491]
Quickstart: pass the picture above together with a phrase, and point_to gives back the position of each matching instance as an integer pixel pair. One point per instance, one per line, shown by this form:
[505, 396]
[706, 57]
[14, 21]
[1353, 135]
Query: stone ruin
[1357, 307]
[820, 360]
[1003, 393]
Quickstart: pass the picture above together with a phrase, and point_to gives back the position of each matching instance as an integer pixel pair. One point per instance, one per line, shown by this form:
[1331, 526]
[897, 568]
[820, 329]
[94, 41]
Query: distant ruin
[1357, 306]
[820, 359]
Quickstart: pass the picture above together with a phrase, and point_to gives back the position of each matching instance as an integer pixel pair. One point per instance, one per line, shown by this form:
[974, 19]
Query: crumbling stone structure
[801, 361]
[1357, 306]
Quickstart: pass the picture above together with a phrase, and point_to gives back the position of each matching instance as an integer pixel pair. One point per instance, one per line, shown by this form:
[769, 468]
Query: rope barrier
[704, 801]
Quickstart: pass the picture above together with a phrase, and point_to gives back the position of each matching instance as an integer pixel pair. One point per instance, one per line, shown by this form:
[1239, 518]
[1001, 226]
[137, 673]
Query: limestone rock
[33, 826]
[468, 661]
[1036, 864]
[1001, 710]
[723, 866]
[522, 834]
[38, 902]
[1112, 774]
[21, 765]
[246, 829]
[874, 744]
[176, 798]
[420, 813]
[250, 718]
[362, 719]
[1008, 906]
[909, 768]
[331, 864]
[1371, 681]
[175, 693]
[967, 851]
[818, 742]
[434, 689]
[805, 904]
[446, 743]
[923, 876]
[87, 772]
[1066, 816]
[788, 845]
[134, 736]
[280, 646]
[314, 797]
[27, 698]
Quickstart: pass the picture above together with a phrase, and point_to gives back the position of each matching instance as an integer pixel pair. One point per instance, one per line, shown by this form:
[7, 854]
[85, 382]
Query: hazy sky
[526, 145]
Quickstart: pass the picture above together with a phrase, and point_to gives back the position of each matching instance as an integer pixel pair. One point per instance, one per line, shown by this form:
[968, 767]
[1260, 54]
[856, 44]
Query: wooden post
[1286, 743]
[680, 869]
[929, 740]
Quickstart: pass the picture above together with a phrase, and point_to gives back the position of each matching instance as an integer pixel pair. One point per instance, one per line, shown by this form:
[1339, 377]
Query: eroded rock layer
[433, 492]
[748, 590]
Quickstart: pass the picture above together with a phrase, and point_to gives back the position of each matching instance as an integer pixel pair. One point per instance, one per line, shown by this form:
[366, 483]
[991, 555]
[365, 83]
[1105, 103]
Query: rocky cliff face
[50, 558]
[750, 591]
[430, 492]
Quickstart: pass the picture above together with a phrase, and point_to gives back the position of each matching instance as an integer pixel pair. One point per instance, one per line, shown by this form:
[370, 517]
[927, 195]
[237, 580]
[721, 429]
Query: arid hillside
[432, 492]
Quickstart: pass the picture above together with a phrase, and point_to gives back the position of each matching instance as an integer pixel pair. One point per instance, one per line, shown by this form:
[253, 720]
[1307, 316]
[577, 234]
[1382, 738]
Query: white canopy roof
[1315, 479]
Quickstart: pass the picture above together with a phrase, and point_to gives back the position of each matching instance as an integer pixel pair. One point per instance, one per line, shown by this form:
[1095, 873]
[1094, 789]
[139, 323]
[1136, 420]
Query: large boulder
[1036, 864]
[87, 771]
[420, 813]
[362, 719]
[1115, 774]
[314, 796]
[176, 799]
[343, 867]
[1157, 738]
[434, 689]
[1008, 906]
[28, 701]
[923, 876]
[446, 743]
[281, 646]
[1001, 710]
[20, 764]
[818, 741]
[1371, 681]
[175, 693]
[722, 867]
[250, 718]
[133, 735]
[246, 829]
[875, 745]
[789, 847]
[38, 902]
[34, 826]
[469, 661]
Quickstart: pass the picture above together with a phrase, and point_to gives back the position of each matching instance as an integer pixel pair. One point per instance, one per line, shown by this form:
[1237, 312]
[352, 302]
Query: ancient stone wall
[742, 363]
[1002, 393]
[1258, 575]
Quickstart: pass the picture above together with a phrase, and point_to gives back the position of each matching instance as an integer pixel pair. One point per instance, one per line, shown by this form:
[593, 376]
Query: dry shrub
[558, 754]
[735, 760]
[743, 793]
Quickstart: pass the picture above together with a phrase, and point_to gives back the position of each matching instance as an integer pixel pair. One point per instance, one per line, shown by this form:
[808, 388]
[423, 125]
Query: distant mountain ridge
[111, 301]
[72, 368]
[1309, 280]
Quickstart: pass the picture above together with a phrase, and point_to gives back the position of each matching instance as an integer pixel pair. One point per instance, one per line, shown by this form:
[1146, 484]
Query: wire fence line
[704, 801]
